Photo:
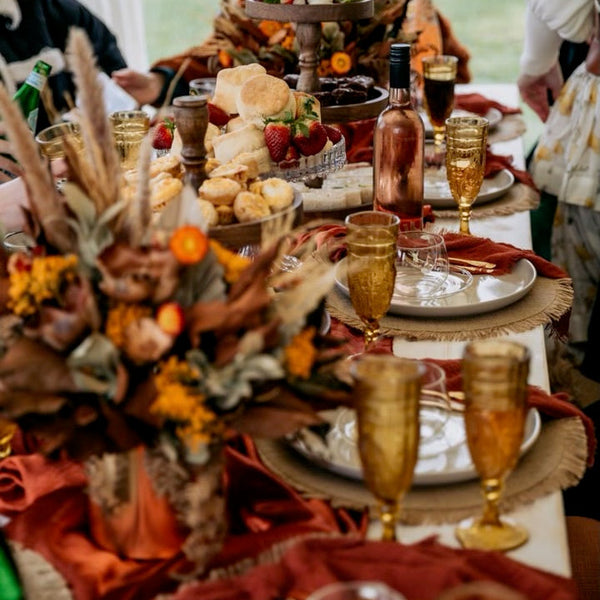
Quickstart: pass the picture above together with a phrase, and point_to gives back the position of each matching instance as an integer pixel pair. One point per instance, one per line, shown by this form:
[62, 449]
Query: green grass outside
[492, 30]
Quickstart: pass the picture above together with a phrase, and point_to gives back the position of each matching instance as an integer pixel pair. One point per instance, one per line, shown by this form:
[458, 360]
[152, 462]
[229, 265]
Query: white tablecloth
[547, 548]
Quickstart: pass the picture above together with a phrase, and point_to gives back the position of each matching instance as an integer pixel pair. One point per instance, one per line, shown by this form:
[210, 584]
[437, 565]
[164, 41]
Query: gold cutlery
[474, 263]
[476, 270]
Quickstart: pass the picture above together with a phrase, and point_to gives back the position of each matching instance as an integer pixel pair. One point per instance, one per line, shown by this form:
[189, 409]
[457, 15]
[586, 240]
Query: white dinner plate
[494, 116]
[437, 191]
[336, 451]
[485, 294]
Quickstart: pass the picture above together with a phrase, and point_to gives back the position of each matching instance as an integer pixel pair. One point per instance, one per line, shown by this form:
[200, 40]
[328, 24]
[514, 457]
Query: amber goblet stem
[389, 513]
[492, 489]
[464, 216]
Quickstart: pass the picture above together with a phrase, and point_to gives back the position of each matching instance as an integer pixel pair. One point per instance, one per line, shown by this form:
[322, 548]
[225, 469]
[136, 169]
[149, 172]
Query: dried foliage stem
[95, 127]
[43, 198]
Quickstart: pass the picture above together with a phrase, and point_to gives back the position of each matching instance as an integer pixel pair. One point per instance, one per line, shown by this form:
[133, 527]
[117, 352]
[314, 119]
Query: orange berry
[188, 244]
[170, 318]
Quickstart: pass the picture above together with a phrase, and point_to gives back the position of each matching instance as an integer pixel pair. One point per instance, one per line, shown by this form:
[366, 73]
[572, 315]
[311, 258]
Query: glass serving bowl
[317, 165]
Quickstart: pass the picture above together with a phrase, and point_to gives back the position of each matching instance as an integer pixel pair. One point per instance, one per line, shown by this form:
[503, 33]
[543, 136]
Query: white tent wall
[125, 18]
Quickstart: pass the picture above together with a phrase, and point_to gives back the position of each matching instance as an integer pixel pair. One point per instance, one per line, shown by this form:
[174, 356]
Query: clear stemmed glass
[422, 267]
[466, 141]
[495, 386]
[386, 397]
[439, 75]
[356, 590]
[371, 258]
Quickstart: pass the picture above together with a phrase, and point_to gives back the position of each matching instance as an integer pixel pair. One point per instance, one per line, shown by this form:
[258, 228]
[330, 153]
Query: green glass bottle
[10, 587]
[28, 95]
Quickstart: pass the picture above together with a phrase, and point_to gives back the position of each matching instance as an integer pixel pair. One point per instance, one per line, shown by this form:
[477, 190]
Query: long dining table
[547, 548]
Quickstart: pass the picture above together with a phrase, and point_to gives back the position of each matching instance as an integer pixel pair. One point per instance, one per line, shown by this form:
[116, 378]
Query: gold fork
[474, 263]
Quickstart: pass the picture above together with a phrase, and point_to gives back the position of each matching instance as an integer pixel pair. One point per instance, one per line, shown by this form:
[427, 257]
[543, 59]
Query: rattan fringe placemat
[518, 198]
[556, 461]
[547, 301]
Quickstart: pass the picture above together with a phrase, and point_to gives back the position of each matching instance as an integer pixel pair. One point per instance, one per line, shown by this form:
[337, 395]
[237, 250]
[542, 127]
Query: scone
[232, 170]
[265, 96]
[250, 207]
[163, 191]
[277, 192]
[219, 191]
[257, 161]
[235, 124]
[225, 214]
[209, 213]
[166, 164]
[246, 139]
[212, 131]
[229, 83]
[307, 106]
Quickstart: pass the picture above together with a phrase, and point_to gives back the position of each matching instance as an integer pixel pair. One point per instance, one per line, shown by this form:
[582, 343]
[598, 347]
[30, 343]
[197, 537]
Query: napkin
[50, 515]
[24, 479]
[420, 571]
[503, 255]
[479, 104]
[494, 163]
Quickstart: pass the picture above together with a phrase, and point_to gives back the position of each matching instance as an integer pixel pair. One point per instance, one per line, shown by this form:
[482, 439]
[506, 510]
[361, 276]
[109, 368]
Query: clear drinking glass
[356, 590]
[466, 142]
[129, 128]
[51, 140]
[422, 267]
[439, 76]
[386, 395]
[371, 259]
[495, 386]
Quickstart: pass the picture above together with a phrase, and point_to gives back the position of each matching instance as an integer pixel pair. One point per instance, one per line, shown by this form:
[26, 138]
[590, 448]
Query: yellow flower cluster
[120, 317]
[300, 354]
[43, 281]
[232, 262]
[177, 401]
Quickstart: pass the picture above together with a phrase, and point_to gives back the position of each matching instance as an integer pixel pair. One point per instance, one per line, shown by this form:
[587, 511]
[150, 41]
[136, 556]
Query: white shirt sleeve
[547, 23]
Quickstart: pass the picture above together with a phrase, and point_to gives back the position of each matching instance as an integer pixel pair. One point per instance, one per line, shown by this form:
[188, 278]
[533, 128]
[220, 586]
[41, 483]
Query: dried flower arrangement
[116, 331]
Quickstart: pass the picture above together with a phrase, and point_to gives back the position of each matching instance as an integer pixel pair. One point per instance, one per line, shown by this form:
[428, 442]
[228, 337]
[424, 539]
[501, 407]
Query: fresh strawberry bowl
[238, 235]
[305, 167]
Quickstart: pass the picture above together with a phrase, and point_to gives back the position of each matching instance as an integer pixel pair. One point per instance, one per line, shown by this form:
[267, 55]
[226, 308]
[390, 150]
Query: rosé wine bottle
[399, 138]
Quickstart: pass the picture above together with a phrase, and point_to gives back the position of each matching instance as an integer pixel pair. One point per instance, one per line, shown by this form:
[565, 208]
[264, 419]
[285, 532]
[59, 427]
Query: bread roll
[225, 214]
[250, 207]
[277, 192]
[265, 96]
[219, 191]
[246, 139]
[229, 83]
[257, 161]
[209, 212]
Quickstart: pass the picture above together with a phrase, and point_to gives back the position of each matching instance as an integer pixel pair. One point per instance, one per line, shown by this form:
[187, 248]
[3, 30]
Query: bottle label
[36, 80]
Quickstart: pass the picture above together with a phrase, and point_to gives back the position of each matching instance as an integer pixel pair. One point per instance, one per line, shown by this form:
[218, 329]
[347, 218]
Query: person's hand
[592, 62]
[144, 87]
[534, 90]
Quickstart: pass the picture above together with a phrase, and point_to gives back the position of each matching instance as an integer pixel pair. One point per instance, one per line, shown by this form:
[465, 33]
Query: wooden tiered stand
[308, 19]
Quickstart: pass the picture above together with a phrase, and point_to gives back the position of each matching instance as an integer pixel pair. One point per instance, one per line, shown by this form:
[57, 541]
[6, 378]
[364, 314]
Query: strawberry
[217, 116]
[163, 135]
[311, 138]
[277, 137]
[333, 133]
[290, 161]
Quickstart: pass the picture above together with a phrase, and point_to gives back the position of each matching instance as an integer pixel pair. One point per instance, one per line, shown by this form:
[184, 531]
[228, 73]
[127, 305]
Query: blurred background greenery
[492, 30]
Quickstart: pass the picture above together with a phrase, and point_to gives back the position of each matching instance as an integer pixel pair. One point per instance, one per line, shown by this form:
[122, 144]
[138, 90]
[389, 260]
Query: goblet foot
[475, 534]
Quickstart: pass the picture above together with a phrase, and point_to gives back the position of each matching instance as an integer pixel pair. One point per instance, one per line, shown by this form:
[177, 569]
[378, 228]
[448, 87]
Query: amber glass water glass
[466, 142]
[387, 392]
[495, 386]
[129, 128]
[371, 258]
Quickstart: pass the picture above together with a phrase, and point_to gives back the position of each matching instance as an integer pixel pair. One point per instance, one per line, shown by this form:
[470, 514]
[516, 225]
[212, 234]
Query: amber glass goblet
[466, 141]
[371, 259]
[439, 75]
[386, 394]
[495, 386]
[129, 128]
